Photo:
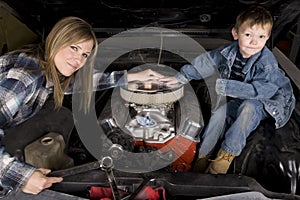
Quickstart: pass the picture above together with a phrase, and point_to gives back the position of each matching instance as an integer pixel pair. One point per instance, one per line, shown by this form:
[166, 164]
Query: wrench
[107, 166]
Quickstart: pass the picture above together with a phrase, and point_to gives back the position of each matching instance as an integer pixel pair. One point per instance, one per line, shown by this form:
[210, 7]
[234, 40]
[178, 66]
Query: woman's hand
[38, 181]
[145, 75]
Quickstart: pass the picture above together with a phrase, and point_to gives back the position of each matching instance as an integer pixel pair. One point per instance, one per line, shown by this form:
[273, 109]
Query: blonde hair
[254, 15]
[68, 31]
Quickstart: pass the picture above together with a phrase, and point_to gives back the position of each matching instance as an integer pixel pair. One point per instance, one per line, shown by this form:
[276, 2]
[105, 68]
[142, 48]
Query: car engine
[151, 117]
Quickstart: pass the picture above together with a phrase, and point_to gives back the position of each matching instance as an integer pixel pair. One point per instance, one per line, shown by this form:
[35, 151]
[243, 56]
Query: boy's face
[251, 39]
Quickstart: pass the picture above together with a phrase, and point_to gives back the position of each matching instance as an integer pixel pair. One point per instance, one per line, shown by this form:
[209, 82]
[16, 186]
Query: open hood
[269, 153]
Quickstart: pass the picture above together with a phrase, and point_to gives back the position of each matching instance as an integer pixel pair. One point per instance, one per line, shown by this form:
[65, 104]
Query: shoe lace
[224, 156]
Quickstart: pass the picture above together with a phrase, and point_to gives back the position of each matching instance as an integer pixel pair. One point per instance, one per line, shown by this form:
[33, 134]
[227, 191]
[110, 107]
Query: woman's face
[251, 39]
[71, 58]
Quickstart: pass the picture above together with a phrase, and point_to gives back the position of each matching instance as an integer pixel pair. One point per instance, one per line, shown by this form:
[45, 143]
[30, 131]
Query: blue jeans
[232, 123]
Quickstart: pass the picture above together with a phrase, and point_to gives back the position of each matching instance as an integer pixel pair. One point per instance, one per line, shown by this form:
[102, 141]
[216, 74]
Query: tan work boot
[201, 164]
[221, 164]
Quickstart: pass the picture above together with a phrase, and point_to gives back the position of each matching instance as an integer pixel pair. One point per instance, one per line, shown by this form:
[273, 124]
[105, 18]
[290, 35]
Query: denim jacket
[264, 80]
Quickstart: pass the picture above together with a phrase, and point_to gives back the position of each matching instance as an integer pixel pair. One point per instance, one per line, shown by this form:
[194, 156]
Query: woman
[30, 75]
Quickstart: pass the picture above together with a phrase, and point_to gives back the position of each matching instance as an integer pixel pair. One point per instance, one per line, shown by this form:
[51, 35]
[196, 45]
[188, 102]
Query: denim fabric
[264, 80]
[266, 91]
[234, 122]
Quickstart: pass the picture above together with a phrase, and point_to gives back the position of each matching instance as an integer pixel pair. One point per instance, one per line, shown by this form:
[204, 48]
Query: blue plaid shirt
[23, 92]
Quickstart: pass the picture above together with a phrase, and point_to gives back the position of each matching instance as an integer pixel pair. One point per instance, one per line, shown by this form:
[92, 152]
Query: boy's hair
[254, 15]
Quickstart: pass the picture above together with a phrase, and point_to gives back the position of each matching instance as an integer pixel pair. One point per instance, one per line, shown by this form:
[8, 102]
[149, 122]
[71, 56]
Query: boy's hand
[170, 81]
[145, 75]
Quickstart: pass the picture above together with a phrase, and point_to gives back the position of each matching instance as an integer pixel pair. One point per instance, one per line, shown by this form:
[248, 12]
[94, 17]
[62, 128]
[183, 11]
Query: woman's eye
[85, 55]
[74, 48]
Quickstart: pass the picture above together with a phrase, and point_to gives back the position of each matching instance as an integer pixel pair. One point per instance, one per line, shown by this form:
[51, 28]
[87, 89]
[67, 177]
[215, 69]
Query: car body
[268, 166]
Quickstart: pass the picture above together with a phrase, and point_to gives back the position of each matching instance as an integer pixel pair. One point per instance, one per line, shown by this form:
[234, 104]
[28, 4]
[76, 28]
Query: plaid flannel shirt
[23, 92]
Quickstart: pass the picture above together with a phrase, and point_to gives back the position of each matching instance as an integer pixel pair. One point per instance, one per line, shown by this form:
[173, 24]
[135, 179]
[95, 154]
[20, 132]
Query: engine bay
[145, 136]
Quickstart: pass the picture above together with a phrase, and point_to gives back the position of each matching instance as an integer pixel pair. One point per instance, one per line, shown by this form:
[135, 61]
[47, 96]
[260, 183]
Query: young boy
[254, 86]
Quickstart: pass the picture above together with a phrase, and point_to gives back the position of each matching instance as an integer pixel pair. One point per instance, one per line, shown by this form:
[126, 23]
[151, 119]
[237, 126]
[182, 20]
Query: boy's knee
[251, 106]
